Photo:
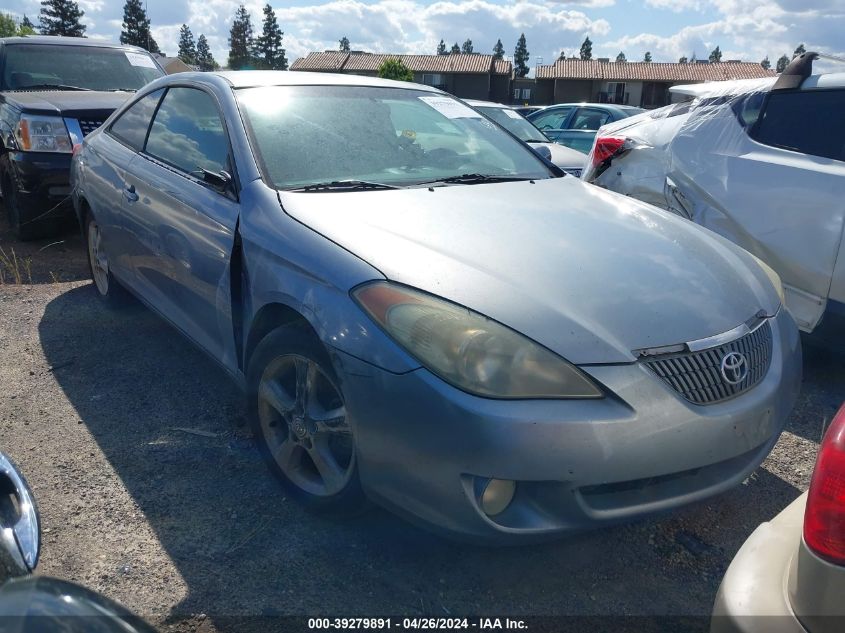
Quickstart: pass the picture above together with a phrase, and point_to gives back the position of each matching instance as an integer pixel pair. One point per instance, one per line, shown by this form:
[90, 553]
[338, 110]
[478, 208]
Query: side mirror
[221, 180]
[20, 526]
[543, 152]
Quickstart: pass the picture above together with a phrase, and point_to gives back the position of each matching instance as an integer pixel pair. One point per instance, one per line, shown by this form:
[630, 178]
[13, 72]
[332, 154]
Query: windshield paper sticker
[139, 59]
[512, 113]
[450, 108]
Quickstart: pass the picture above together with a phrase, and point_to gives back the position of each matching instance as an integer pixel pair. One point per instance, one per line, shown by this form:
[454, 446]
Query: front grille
[697, 376]
[89, 125]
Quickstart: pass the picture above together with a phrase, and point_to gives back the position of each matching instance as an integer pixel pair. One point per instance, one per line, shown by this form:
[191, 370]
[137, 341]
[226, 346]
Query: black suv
[53, 92]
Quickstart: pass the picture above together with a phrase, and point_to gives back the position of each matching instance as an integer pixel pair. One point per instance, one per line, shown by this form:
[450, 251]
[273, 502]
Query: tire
[24, 227]
[105, 285]
[298, 417]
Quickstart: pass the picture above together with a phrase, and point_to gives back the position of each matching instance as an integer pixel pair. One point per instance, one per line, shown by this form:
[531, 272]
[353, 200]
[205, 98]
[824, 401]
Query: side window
[188, 134]
[809, 121]
[552, 120]
[131, 126]
[589, 119]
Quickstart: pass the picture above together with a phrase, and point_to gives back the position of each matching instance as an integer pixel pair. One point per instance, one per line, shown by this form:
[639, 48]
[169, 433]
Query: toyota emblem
[734, 368]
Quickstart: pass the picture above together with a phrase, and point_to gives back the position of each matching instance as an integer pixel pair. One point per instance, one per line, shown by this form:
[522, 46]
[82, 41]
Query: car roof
[587, 104]
[261, 78]
[57, 40]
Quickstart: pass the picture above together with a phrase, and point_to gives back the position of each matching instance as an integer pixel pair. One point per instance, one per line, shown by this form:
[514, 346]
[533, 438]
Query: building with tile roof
[642, 84]
[469, 76]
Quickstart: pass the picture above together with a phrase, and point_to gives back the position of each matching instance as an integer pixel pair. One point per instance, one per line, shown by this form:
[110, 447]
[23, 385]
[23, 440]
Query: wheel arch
[270, 317]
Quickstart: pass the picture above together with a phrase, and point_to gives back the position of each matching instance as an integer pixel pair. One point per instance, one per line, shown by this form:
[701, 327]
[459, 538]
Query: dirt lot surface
[151, 492]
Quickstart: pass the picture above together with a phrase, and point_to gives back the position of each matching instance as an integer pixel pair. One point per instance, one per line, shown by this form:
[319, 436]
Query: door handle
[129, 193]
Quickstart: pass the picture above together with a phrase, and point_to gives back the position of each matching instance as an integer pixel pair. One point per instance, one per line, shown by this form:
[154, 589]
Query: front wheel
[106, 285]
[300, 421]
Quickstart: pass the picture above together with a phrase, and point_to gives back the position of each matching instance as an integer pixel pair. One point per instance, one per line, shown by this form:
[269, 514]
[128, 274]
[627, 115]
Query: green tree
[241, 42]
[26, 27]
[344, 44]
[8, 27]
[683, 60]
[61, 17]
[766, 63]
[393, 68]
[271, 55]
[621, 57]
[647, 57]
[562, 55]
[441, 48]
[467, 46]
[715, 55]
[498, 50]
[799, 51]
[521, 57]
[586, 49]
[205, 60]
[135, 29]
[187, 47]
[455, 48]
[783, 62]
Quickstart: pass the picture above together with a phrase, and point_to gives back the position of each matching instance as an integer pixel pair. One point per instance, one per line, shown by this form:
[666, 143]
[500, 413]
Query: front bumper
[43, 183]
[425, 448]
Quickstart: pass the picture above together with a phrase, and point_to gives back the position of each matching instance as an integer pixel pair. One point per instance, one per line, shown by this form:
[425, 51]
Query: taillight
[824, 518]
[604, 149]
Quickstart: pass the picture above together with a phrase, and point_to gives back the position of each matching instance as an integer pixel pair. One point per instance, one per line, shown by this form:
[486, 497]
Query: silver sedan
[421, 314]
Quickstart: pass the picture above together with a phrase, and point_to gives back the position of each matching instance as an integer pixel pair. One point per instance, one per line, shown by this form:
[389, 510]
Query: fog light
[497, 496]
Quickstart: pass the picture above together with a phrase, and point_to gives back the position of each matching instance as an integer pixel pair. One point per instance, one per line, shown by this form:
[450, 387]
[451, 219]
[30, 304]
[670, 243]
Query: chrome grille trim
[696, 375]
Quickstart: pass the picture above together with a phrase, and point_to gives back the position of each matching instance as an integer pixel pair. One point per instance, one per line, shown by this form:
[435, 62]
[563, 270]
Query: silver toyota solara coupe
[423, 313]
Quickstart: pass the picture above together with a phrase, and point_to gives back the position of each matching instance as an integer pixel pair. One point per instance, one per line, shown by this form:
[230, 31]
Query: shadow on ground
[243, 549]
[60, 258]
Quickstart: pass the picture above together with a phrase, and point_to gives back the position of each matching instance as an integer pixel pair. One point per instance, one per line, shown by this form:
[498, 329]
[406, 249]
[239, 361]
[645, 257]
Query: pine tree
[205, 60]
[467, 47]
[344, 44]
[241, 42]
[766, 63]
[455, 48]
[61, 17]
[268, 45]
[521, 57]
[587, 49]
[26, 27]
[783, 62]
[441, 48]
[683, 60]
[498, 50]
[799, 51]
[135, 29]
[647, 57]
[715, 55]
[187, 47]
[8, 28]
[621, 57]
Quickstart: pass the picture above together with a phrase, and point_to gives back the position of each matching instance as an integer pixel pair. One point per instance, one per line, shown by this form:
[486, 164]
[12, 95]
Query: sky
[744, 29]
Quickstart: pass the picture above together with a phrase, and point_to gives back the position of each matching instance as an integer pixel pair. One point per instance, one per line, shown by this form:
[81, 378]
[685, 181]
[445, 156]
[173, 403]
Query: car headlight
[773, 277]
[468, 350]
[36, 133]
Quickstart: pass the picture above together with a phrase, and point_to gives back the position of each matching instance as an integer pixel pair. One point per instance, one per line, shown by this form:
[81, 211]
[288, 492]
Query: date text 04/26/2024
[424, 624]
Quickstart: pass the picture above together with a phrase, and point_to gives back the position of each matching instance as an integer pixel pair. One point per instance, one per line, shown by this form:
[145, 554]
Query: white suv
[761, 162]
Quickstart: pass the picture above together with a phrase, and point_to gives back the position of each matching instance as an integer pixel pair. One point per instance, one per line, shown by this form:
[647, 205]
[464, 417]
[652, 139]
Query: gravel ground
[152, 492]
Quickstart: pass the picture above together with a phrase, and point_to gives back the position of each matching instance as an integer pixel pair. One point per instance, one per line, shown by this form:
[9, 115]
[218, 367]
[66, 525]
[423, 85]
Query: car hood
[590, 274]
[67, 102]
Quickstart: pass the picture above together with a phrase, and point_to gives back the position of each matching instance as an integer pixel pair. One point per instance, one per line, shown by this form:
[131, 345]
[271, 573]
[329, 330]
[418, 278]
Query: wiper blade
[345, 185]
[52, 87]
[472, 179]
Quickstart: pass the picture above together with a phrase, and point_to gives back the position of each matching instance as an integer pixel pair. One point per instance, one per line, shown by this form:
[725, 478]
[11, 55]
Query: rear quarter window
[810, 121]
[131, 126]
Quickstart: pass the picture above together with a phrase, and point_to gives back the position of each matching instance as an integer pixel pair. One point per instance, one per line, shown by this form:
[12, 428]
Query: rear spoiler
[798, 70]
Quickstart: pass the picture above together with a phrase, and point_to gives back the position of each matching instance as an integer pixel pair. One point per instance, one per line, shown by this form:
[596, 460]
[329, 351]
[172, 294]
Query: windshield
[514, 123]
[305, 135]
[85, 67]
